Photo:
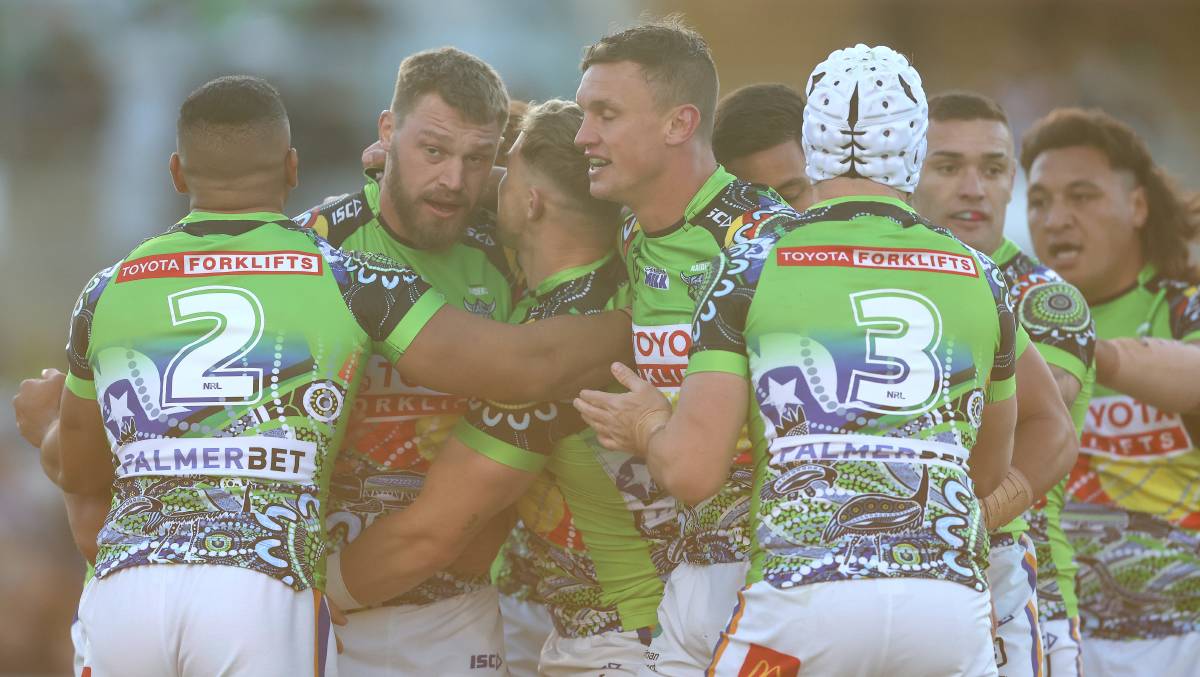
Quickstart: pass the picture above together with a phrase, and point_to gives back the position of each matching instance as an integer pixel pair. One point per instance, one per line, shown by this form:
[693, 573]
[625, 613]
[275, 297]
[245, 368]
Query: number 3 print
[903, 330]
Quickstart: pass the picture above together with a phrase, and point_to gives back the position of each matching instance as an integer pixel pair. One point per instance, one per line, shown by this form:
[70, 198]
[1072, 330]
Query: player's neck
[1115, 281]
[848, 187]
[234, 202]
[662, 202]
[556, 248]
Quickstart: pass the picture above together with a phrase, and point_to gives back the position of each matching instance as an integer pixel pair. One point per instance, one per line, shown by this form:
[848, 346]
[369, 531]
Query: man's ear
[682, 125]
[176, 168]
[387, 123]
[292, 167]
[535, 206]
[1141, 208]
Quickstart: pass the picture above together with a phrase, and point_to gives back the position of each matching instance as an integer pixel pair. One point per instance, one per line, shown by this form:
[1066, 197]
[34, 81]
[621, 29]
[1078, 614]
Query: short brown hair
[464, 82]
[961, 104]
[1168, 229]
[755, 118]
[549, 147]
[673, 57]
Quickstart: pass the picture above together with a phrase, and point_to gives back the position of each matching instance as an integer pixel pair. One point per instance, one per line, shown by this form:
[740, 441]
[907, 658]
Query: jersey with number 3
[872, 342]
[224, 356]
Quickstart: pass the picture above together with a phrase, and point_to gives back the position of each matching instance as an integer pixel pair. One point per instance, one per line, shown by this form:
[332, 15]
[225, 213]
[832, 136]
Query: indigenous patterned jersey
[1133, 498]
[666, 270]
[1059, 324]
[399, 426]
[223, 400]
[871, 341]
[598, 527]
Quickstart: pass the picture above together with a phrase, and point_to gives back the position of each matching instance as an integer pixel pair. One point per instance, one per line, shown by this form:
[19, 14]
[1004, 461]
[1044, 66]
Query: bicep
[1037, 388]
[85, 455]
[992, 453]
[465, 489]
[710, 413]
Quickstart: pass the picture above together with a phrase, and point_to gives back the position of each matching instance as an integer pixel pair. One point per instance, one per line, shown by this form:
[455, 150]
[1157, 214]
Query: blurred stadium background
[89, 91]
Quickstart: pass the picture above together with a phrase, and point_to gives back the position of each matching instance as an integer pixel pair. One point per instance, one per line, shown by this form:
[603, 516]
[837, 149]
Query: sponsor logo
[486, 661]
[924, 260]
[274, 458]
[661, 353]
[385, 396]
[1121, 427]
[764, 662]
[303, 219]
[198, 264]
[718, 217]
[480, 307]
[656, 278]
[346, 210]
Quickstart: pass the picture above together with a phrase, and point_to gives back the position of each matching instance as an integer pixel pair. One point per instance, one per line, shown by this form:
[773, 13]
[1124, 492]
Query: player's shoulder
[741, 211]
[338, 217]
[603, 288]
[1182, 299]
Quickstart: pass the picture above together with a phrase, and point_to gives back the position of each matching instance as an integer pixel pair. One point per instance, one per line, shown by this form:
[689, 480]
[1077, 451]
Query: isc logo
[345, 211]
[486, 661]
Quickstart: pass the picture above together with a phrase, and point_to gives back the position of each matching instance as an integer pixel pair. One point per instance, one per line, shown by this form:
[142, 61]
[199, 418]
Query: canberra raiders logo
[480, 307]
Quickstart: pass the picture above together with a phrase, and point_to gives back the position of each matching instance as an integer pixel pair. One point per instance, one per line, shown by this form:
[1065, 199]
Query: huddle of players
[639, 526]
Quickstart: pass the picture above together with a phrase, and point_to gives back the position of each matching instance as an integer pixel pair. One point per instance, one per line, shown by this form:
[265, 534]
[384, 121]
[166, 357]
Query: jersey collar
[866, 198]
[200, 222]
[714, 184]
[1006, 252]
[568, 274]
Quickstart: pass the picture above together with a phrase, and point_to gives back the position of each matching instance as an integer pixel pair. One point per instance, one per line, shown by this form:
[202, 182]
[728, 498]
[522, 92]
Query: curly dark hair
[1168, 226]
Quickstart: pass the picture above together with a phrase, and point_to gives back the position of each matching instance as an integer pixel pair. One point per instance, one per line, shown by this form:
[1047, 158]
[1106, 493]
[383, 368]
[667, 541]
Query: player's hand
[36, 404]
[625, 421]
[374, 156]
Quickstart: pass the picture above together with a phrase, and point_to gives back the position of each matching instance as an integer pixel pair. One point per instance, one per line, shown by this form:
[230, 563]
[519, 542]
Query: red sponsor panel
[204, 264]
[763, 661]
[891, 258]
[1121, 427]
[661, 353]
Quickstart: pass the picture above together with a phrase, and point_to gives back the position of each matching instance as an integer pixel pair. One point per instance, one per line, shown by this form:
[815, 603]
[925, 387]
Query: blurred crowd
[90, 90]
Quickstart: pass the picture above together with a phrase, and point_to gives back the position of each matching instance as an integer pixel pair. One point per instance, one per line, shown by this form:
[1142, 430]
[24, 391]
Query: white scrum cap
[866, 117]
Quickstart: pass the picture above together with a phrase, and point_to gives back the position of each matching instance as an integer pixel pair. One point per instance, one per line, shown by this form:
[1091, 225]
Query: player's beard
[424, 230]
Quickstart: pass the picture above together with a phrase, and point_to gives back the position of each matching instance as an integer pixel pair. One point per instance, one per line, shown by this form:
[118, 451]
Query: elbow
[693, 485]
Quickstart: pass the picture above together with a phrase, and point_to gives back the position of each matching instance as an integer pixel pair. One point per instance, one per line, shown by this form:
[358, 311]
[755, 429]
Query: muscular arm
[992, 453]
[82, 447]
[463, 491]
[1044, 443]
[687, 452]
[86, 514]
[457, 352]
[1159, 372]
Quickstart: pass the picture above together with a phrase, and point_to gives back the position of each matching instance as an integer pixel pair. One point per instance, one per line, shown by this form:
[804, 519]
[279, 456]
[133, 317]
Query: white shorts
[899, 627]
[1064, 657]
[609, 653]
[527, 625]
[1012, 576]
[459, 636]
[1177, 656]
[697, 602]
[203, 620]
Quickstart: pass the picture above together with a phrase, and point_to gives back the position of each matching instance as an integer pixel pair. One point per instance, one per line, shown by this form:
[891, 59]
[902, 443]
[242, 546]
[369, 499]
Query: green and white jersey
[399, 426]
[224, 401]
[598, 527]
[1059, 323]
[872, 341]
[667, 270]
[1132, 508]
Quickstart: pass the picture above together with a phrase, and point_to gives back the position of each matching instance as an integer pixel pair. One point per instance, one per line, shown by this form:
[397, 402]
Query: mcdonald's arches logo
[764, 662]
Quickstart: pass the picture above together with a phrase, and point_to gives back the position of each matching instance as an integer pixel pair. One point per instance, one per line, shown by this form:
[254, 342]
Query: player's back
[225, 355]
[873, 340]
